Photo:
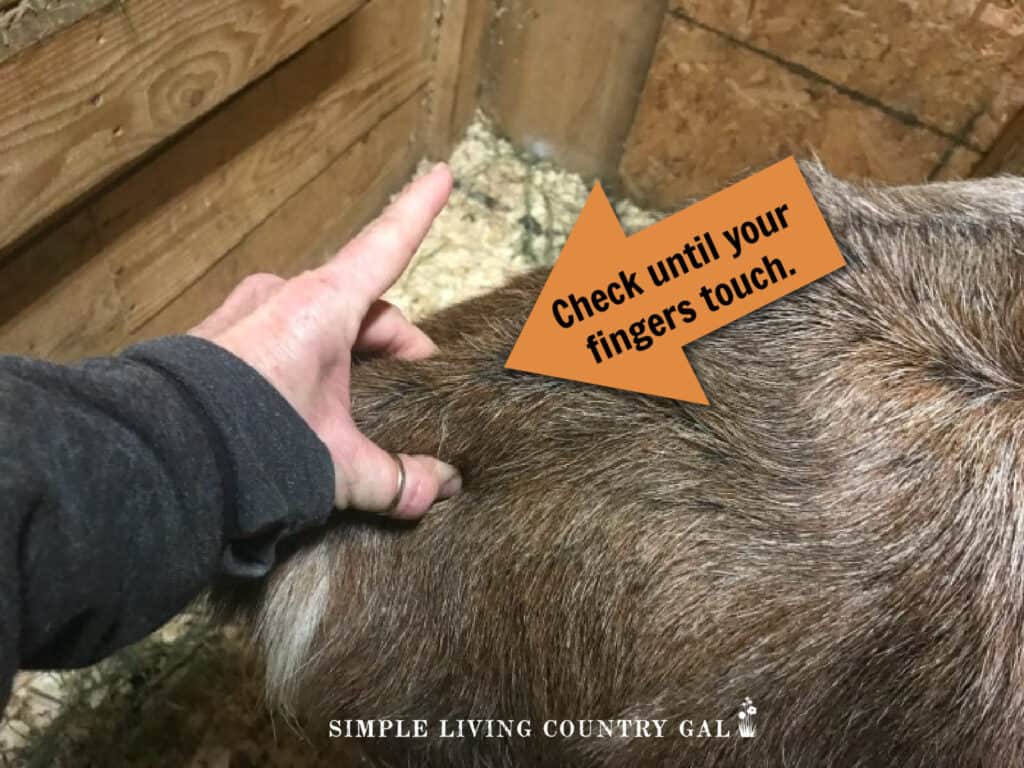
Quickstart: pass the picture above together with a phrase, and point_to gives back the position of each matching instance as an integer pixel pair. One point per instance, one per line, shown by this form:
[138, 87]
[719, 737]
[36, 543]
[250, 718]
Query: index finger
[376, 258]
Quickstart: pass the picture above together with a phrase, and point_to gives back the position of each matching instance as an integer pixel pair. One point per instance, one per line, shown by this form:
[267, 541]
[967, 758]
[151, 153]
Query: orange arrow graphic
[617, 311]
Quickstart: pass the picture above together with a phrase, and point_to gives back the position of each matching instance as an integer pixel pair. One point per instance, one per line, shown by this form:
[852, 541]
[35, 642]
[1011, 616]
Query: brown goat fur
[839, 536]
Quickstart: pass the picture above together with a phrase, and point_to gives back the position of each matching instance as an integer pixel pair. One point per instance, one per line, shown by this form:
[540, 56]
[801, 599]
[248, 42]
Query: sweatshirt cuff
[277, 475]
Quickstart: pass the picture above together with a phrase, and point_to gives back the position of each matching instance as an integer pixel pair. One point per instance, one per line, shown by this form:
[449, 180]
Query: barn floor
[189, 695]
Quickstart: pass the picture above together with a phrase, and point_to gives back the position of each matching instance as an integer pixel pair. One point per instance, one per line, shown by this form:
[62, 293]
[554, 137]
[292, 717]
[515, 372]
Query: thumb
[374, 478]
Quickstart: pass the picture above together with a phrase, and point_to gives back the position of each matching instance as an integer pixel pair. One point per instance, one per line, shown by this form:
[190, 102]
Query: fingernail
[451, 483]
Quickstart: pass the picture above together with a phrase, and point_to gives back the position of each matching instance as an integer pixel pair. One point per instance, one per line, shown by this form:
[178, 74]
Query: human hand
[300, 335]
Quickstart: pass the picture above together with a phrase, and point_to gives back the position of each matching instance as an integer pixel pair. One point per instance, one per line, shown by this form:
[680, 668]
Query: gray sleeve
[127, 484]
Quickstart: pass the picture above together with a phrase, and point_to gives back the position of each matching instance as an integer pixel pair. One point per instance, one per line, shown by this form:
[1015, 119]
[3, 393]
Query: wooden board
[455, 92]
[954, 66]
[100, 276]
[79, 106]
[713, 108]
[311, 226]
[564, 77]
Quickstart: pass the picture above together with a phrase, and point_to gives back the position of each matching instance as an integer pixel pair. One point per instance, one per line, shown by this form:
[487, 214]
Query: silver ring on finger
[393, 506]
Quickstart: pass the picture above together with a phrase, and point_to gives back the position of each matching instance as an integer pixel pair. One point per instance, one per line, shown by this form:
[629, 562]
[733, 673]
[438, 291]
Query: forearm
[127, 483]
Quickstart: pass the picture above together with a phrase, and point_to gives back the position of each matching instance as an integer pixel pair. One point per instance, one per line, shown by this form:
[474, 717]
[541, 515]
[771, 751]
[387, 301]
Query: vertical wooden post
[455, 92]
[565, 76]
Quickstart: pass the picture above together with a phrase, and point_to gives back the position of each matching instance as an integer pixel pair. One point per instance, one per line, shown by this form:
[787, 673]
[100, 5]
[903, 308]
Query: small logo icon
[746, 716]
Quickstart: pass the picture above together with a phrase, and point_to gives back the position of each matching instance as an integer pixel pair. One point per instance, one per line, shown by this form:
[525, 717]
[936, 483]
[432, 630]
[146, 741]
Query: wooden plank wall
[81, 105]
[897, 92]
[274, 179]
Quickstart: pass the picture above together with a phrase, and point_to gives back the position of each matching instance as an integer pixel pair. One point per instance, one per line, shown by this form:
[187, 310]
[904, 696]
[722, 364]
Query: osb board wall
[270, 180]
[892, 90]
